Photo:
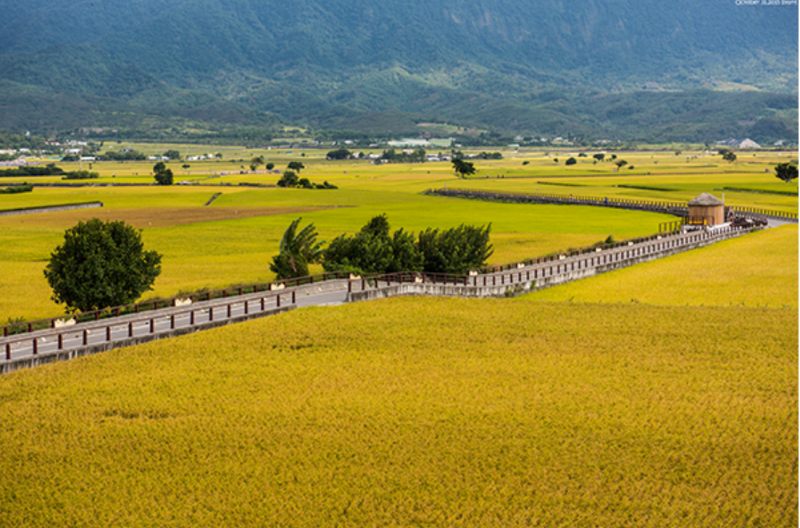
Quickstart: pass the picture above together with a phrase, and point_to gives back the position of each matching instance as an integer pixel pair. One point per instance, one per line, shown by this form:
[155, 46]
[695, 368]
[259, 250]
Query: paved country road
[74, 340]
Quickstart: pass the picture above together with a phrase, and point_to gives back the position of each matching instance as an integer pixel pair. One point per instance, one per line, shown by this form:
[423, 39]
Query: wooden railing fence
[108, 327]
[674, 208]
[156, 304]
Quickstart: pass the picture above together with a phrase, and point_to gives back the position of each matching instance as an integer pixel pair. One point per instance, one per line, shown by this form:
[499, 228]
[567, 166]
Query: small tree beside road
[296, 252]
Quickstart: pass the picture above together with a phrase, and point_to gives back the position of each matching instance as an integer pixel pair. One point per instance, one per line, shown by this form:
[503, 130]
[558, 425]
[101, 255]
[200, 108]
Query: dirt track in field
[156, 217]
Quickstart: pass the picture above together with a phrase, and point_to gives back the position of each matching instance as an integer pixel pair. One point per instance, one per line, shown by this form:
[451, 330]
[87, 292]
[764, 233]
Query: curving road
[53, 344]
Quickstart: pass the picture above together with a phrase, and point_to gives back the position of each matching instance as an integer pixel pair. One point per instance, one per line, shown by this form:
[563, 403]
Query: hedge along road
[75, 340]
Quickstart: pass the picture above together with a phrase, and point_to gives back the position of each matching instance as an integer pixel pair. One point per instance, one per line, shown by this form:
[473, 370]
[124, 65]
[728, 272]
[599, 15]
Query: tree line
[375, 250]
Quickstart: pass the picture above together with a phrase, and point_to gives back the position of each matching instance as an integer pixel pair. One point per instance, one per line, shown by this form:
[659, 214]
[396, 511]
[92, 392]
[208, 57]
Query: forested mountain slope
[327, 63]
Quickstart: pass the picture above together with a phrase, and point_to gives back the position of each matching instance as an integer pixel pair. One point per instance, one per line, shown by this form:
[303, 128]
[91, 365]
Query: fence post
[85, 337]
[294, 298]
[35, 346]
[191, 318]
[60, 341]
[172, 322]
[152, 325]
[229, 311]
[108, 333]
[8, 351]
[279, 300]
[210, 313]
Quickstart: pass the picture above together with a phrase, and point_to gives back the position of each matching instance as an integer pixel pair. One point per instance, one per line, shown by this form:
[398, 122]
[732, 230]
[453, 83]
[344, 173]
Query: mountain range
[658, 71]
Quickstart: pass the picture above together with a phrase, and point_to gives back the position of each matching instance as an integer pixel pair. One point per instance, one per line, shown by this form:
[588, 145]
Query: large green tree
[374, 250]
[455, 250]
[100, 265]
[163, 175]
[463, 168]
[296, 166]
[289, 179]
[786, 171]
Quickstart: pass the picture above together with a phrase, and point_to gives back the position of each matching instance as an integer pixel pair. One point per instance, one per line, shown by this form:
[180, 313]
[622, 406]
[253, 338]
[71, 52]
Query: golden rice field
[419, 411]
[232, 240]
[665, 394]
[663, 175]
[759, 269]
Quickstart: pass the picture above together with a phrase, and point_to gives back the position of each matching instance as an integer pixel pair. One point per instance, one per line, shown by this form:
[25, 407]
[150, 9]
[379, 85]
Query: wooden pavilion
[706, 209]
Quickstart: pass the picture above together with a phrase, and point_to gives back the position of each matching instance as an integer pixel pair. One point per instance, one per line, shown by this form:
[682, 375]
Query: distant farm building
[740, 143]
[409, 143]
[706, 209]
